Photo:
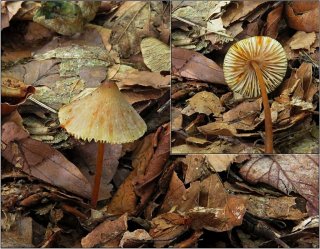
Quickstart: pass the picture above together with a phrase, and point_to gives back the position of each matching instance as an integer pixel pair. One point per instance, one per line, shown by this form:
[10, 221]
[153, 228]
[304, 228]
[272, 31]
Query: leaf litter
[148, 197]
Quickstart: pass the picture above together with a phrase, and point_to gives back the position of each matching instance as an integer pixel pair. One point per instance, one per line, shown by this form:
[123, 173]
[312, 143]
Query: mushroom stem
[98, 174]
[267, 112]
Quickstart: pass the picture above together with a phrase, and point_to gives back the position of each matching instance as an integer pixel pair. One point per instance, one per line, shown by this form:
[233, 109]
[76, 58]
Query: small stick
[98, 174]
[42, 105]
[267, 111]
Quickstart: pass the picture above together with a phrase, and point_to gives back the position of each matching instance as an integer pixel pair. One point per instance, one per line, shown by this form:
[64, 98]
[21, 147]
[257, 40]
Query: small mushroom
[255, 67]
[105, 117]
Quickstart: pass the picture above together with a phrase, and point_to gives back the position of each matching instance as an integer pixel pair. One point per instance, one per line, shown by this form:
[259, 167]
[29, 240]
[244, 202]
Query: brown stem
[97, 177]
[267, 113]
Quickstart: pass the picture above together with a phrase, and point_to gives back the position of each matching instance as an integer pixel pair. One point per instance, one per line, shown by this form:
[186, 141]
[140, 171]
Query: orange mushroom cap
[267, 53]
[103, 116]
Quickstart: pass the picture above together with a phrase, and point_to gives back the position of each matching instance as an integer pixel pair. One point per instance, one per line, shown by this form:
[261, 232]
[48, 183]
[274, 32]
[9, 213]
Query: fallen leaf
[133, 21]
[244, 116]
[273, 20]
[13, 94]
[144, 184]
[221, 163]
[142, 78]
[284, 208]
[204, 102]
[288, 173]
[218, 129]
[302, 40]
[178, 197]
[41, 161]
[107, 234]
[156, 54]
[193, 65]
[238, 10]
[125, 199]
[191, 242]
[8, 10]
[165, 228]
[20, 233]
[218, 219]
[303, 16]
[195, 168]
[135, 239]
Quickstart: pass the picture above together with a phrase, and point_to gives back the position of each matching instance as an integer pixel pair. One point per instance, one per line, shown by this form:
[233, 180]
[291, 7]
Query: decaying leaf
[288, 173]
[273, 20]
[41, 161]
[13, 94]
[303, 16]
[167, 227]
[203, 102]
[135, 239]
[302, 40]
[156, 54]
[131, 23]
[193, 65]
[285, 208]
[107, 234]
[63, 17]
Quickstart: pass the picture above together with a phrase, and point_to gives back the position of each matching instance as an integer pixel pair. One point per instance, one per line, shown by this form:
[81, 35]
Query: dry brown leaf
[244, 116]
[156, 54]
[238, 10]
[178, 198]
[137, 95]
[104, 33]
[302, 40]
[218, 129]
[284, 208]
[36, 32]
[195, 168]
[221, 163]
[107, 234]
[142, 78]
[288, 173]
[191, 242]
[134, 20]
[304, 74]
[273, 20]
[176, 119]
[145, 182]
[8, 10]
[167, 227]
[303, 16]
[204, 102]
[218, 219]
[13, 94]
[135, 239]
[20, 233]
[194, 65]
[125, 199]
[41, 161]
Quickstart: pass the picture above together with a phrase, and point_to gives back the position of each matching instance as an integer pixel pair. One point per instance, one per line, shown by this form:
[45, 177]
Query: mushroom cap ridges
[103, 116]
[267, 53]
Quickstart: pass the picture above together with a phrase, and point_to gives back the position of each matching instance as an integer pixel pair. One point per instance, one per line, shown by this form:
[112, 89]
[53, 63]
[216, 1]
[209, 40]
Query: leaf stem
[267, 112]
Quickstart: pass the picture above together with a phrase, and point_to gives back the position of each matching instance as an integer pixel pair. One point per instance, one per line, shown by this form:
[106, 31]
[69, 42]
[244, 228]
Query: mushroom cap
[267, 53]
[103, 116]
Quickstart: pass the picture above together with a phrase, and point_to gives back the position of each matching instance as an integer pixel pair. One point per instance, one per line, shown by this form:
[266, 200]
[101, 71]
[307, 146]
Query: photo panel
[245, 77]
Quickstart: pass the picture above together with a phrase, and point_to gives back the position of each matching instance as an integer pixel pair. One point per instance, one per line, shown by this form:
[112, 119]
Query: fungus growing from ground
[255, 67]
[105, 117]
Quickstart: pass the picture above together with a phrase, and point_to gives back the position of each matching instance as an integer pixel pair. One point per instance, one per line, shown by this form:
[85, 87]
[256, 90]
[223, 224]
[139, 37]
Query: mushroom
[256, 66]
[105, 117]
